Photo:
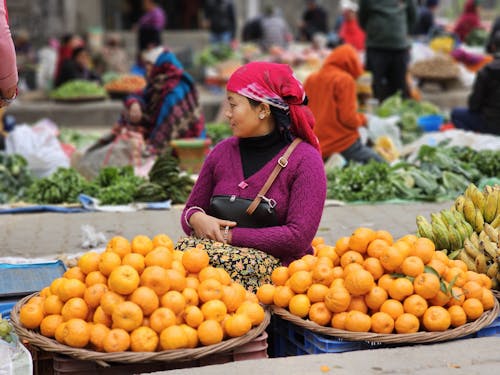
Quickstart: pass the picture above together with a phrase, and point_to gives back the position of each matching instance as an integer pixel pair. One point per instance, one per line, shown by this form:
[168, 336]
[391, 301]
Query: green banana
[462, 230]
[480, 262]
[479, 223]
[454, 238]
[441, 238]
[492, 233]
[472, 250]
[479, 199]
[459, 203]
[492, 270]
[469, 261]
[448, 217]
[490, 207]
[437, 219]
[469, 211]
[424, 228]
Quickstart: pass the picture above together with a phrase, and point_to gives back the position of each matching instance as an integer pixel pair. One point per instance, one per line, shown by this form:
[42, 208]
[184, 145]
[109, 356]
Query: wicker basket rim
[178, 355]
[393, 338]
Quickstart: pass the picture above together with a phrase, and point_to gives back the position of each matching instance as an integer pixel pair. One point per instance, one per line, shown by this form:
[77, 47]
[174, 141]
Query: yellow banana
[492, 233]
[469, 192]
[492, 270]
[474, 238]
[480, 262]
[479, 223]
[490, 207]
[479, 199]
[471, 249]
[496, 222]
[459, 203]
[469, 211]
[488, 248]
[464, 257]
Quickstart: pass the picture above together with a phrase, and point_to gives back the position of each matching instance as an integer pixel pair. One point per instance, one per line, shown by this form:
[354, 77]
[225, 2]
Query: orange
[297, 265]
[319, 314]
[361, 238]
[455, 273]
[338, 272]
[337, 299]
[382, 323]
[316, 293]
[70, 288]
[49, 324]
[160, 256]
[95, 277]
[146, 299]
[101, 317]
[74, 273]
[457, 297]
[164, 241]
[352, 267]
[440, 255]
[392, 307]
[415, 305]
[108, 261]
[177, 266]
[193, 316]
[192, 282]
[327, 251]
[98, 333]
[156, 278]
[123, 280]
[317, 240]
[52, 305]
[384, 235]
[208, 272]
[56, 284]
[300, 281]
[210, 332]
[342, 245]
[457, 315]
[322, 273]
[487, 299]
[299, 305]
[473, 276]
[141, 244]
[75, 308]
[93, 294]
[214, 309]
[253, 310]
[459, 264]
[358, 303]
[190, 296]
[473, 289]
[351, 256]
[357, 321]
[195, 259]
[391, 258]
[440, 299]
[338, 320]
[473, 308]
[337, 282]
[109, 300]
[437, 265]
[265, 293]
[409, 238]
[210, 289]
[162, 318]
[59, 333]
[127, 315]
[143, 339]
[436, 318]
[407, 323]
[119, 245]
[135, 260]
[89, 262]
[117, 340]
[224, 277]
[45, 292]
[234, 295]
[375, 298]
[412, 266]
[359, 282]
[485, 280]
[401, 288]
[282, 296]
[173, 300]
[373, 266]
[237, 325]
[385, 282]
[191, 334]
[279, 276]
[424, 249]
[426, 285]
[311, 260]
[76, 333]
[376, 247]
[403, 247]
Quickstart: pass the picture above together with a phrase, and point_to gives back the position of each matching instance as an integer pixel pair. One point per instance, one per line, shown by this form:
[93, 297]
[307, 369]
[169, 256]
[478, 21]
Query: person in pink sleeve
[267, 114]
[8, 66]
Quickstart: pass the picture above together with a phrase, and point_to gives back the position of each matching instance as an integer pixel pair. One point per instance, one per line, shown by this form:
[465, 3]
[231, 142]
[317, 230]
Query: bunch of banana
[480, 207]
[448, 229]
[481, 253]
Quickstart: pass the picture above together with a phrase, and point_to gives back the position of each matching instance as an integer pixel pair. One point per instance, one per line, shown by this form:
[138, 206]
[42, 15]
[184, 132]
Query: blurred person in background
[8, 66]
[314, 20]
[47, 60]
[78, 67]
[469, 20]
[332, 97]
[26, 60]
[387, 24]
[220, 20]
[114, 55]
[68, 43]
[483, 112]
[489, 43]
[350, 31]
[275, 30]
[150, 25]
[426, 22]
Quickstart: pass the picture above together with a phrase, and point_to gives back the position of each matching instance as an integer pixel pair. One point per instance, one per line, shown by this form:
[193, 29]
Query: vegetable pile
[77, 89]
[14, 177]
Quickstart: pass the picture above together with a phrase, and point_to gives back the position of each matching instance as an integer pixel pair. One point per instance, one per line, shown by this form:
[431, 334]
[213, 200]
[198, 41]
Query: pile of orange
[143, 296]
[369, 282]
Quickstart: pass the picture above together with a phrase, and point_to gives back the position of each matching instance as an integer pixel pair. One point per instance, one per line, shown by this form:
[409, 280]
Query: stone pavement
[54, 234]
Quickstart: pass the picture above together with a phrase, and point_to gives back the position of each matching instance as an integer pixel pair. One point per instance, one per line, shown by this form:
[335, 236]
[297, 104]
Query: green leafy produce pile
[409, 111]
[213, 54]
[218, 131]
[79, 139]
[477, 37]
[438, 173]
[15, 177]
[78, 89]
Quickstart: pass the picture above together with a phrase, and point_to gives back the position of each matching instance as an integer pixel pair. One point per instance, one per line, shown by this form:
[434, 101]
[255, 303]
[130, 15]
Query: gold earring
[262, 116]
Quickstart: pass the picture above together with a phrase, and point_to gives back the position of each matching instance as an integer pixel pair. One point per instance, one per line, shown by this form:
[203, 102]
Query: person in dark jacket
[483, 112]
[220, 19]
[78, 67]
[425, 20]
[314, 20]
[387, 24]
[494, 29]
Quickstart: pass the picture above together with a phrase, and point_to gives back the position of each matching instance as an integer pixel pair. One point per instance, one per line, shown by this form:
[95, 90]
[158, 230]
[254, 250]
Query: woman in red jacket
[8, 66]
[333, 101]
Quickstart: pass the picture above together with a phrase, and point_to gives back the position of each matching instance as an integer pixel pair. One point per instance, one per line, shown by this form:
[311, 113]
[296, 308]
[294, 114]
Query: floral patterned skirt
[250, 267]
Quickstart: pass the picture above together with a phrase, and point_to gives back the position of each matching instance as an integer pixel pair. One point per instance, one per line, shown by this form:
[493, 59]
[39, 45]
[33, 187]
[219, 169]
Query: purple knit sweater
[299, 190]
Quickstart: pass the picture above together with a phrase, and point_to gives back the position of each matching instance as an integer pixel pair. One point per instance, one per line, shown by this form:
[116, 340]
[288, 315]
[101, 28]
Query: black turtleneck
[255, 152]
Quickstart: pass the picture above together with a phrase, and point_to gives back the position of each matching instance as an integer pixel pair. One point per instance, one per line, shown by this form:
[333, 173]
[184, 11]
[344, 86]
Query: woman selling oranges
[263, 188]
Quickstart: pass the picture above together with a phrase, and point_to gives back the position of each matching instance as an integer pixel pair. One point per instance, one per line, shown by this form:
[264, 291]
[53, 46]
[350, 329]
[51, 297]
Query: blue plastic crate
[6, 307]
[492, 330]
[316, 344]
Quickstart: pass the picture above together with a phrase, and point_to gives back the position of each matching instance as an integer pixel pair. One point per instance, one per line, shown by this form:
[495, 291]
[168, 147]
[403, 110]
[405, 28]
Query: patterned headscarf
[275, 84]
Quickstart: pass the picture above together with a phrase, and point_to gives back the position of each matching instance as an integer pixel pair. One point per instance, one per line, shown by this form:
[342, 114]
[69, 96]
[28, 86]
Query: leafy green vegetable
[78, 88]
[218, 131]
[15, 177]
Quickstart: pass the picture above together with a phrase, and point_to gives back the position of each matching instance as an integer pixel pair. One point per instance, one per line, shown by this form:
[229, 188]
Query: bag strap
[282, 163]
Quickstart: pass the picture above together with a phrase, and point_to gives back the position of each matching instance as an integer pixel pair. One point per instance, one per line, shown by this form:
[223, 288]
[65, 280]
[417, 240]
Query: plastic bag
[15, 358]
[387, 126]
[39, 145]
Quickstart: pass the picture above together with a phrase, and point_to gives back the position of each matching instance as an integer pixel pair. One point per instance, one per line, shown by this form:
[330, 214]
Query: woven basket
[496, 293]
[179, 355]
[394, 338]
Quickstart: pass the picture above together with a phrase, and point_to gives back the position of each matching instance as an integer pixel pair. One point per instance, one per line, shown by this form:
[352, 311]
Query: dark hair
[495, 42]
[281, 117]
[77, 51]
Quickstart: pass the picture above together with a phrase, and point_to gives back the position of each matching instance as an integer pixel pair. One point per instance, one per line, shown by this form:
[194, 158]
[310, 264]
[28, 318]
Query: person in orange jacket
[333, 101]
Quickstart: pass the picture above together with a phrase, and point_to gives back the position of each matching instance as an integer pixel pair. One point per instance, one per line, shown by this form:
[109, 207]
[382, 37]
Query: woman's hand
[206, 226]
[135, 113]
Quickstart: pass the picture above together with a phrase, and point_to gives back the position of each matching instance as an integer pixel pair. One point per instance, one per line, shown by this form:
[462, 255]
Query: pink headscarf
[275, 84]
